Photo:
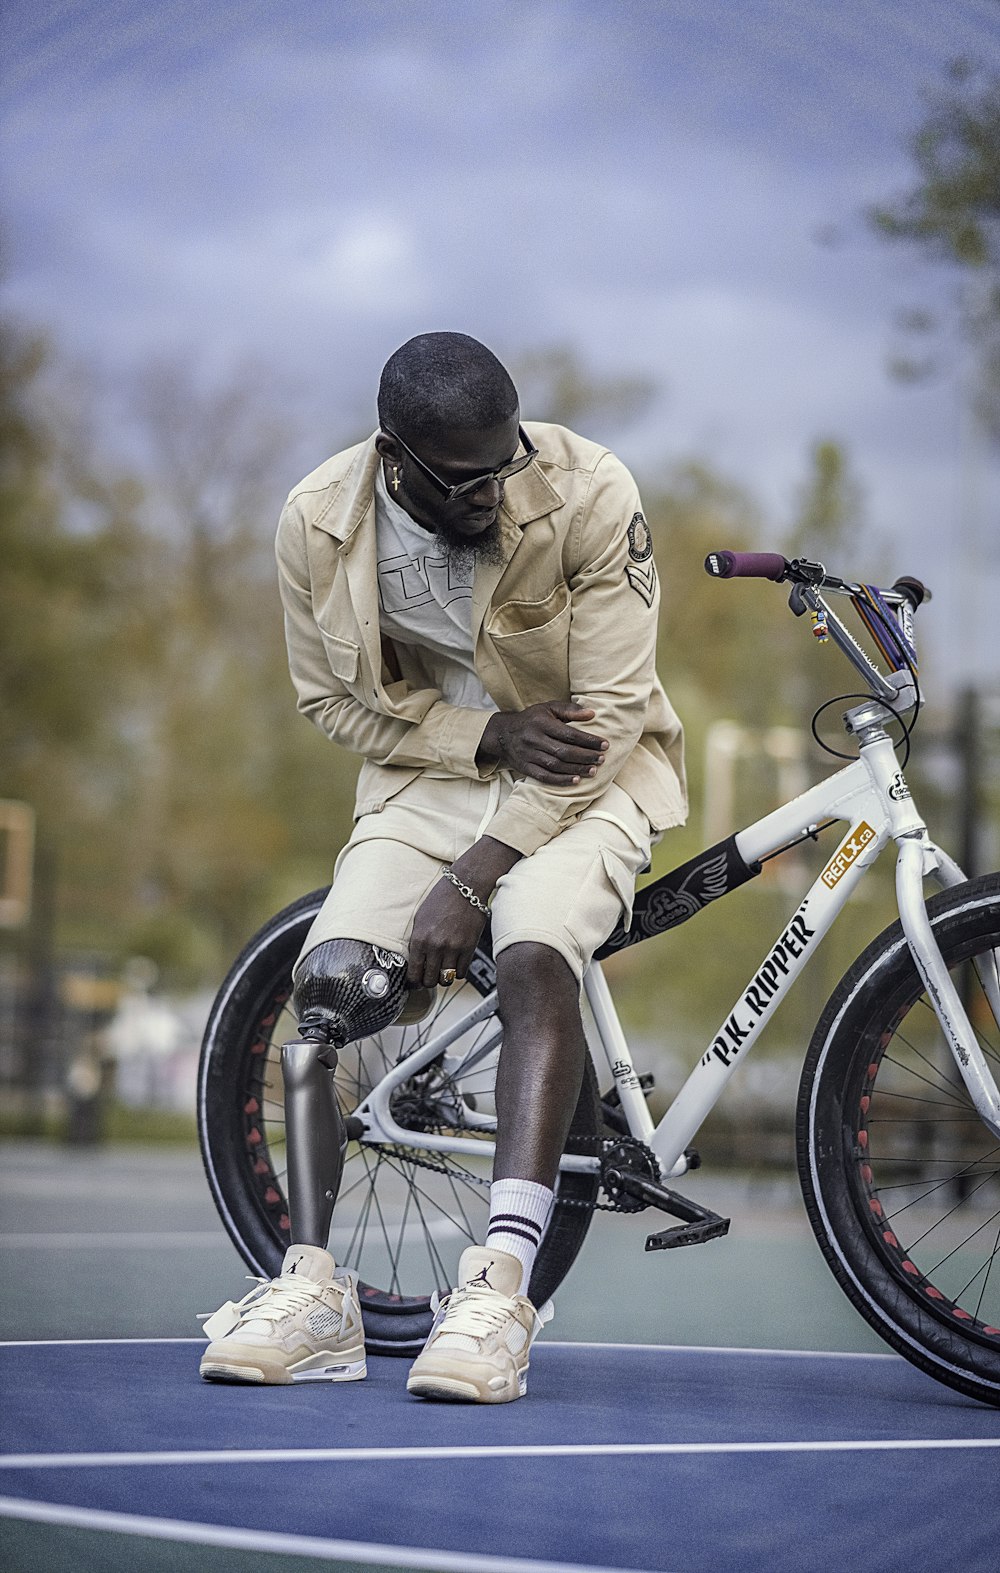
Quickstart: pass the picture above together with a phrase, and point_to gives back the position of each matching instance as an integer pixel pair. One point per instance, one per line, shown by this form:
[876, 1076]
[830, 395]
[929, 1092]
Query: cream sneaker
[303, 1326]
[479, 1344]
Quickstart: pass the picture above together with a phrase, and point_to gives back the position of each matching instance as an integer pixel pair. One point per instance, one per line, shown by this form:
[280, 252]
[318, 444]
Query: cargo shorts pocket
[622, 879]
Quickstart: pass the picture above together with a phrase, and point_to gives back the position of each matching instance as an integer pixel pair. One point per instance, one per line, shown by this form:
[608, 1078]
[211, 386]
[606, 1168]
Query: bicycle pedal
[688, 1234]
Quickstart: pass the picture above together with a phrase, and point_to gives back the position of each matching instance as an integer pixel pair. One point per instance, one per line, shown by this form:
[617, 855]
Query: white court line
[287, 1545]
[365, 1455]
[71, 1343]
[545, 1343]
[726, 1349]
[152, 1239]
[140, 1240]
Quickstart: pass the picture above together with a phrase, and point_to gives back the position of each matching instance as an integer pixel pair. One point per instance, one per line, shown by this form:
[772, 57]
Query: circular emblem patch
[640, 542]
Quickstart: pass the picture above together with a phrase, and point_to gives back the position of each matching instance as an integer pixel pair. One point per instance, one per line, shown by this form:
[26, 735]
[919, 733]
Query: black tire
[446, 1204]
[901, 1178]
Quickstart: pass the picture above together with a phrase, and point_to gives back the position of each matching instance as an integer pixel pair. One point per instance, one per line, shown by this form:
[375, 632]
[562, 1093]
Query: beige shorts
[569, 894]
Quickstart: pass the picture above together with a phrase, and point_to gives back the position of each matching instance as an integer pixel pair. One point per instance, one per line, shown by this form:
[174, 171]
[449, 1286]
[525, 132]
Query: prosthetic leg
[344, 989]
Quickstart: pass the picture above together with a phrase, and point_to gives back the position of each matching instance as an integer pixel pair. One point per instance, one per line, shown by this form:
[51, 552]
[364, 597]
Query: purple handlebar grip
[746, 565]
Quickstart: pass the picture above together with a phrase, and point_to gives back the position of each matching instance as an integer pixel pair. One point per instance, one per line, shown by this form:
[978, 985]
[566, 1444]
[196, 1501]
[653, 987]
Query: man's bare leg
[541, 1062]
[480, 1342]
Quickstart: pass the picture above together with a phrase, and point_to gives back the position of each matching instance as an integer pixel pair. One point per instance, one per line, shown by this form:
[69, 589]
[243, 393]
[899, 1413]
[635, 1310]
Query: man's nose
[489, 495]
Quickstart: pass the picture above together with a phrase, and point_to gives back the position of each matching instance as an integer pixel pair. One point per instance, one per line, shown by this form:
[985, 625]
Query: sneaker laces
[476, 1313]
[283, 1296]
[273, 1299]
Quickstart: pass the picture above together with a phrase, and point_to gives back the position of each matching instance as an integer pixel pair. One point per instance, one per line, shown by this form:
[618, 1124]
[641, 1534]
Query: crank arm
[700, 1223]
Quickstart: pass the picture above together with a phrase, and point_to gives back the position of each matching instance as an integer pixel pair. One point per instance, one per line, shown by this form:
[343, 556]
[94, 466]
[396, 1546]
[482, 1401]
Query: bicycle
[898, 1112]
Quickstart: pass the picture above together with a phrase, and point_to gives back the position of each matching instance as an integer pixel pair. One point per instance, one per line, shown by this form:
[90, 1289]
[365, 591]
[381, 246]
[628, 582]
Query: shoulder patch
[643, 581]
[640, 542]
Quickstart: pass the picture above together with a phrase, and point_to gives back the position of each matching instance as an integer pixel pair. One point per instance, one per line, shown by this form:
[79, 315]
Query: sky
[673, 189]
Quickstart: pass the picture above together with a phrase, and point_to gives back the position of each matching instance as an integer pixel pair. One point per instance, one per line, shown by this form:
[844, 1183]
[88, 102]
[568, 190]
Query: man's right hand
[539, 742]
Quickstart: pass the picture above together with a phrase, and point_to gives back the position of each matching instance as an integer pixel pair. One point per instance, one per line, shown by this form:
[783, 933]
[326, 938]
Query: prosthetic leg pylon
[344, 989]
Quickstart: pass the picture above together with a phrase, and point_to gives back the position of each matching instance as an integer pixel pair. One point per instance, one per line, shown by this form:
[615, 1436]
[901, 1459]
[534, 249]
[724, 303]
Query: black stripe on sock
[529, 1223]
[509, 1228]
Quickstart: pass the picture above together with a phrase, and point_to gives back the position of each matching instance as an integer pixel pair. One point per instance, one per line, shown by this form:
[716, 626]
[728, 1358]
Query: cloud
[310, 184]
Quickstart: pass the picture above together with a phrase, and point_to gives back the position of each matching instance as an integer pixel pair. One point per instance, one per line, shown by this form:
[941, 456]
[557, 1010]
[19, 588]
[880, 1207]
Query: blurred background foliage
[146, 711]
[148, 714]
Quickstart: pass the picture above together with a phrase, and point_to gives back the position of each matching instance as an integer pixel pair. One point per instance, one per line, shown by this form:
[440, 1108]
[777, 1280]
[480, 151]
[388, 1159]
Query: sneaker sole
[456, 1390]
[280, 1376]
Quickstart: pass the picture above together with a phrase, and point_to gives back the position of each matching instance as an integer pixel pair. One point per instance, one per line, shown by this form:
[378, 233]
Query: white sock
[519, 1211]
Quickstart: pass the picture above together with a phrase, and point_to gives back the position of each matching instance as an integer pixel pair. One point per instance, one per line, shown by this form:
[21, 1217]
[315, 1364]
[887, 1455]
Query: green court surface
[125, 1243]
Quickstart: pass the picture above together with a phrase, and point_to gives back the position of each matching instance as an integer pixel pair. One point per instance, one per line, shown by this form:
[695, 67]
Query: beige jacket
[569, 613]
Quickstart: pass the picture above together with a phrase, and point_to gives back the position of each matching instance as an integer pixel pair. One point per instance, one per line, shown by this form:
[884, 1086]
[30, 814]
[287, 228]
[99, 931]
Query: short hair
[440, 382]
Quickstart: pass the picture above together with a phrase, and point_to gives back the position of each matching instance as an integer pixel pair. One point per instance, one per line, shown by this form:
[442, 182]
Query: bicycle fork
[917, 856]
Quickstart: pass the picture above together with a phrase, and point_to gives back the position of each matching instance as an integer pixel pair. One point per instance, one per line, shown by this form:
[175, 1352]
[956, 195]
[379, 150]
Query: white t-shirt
[425, 606]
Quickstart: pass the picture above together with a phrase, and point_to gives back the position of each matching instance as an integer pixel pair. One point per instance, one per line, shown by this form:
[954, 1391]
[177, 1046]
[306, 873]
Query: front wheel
[901, 1177]
[403, 1214]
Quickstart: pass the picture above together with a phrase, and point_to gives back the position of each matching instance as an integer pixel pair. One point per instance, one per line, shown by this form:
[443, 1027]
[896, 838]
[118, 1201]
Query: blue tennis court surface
[622, 1457]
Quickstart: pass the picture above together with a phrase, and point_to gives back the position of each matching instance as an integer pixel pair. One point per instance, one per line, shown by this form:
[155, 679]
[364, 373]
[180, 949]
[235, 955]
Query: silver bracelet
[466, 890]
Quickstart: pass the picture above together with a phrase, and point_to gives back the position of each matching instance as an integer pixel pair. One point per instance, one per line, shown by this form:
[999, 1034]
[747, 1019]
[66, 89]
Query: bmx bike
[898, 1112]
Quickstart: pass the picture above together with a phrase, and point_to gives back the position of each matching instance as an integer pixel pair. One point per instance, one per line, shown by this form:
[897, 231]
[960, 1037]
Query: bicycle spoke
[972, 1118]
[947, 1180]
[909, 1071]
[989, 1268]
[361, 1226]
[962, 1243]
[438, 1268]
[470, 1233]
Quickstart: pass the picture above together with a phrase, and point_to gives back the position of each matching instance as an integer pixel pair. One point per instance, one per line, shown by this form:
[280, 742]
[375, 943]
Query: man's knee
[347, 989]
[534, 980]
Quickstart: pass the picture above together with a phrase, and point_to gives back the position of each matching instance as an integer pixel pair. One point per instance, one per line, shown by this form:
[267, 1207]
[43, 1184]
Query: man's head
[448, 413]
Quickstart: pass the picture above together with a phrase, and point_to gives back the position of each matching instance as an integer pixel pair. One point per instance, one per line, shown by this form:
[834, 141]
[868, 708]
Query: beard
[463, 554]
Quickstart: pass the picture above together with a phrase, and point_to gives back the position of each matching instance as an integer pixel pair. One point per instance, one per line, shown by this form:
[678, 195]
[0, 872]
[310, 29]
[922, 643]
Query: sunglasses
[503, 472]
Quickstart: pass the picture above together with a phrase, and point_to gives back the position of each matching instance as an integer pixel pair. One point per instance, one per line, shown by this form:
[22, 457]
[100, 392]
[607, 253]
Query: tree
[69, 543]
[554, 385]
[952, 214]
[829, 512]
[238, 802]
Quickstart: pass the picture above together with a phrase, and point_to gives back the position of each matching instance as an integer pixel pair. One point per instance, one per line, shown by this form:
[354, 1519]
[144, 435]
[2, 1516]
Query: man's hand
[447, 927]
[540, 743]
[446, 931]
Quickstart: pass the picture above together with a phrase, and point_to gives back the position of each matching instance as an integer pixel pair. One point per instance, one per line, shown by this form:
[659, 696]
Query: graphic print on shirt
[406, 581]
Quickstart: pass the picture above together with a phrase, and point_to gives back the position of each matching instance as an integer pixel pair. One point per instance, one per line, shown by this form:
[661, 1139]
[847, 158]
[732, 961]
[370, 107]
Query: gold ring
[448, 976]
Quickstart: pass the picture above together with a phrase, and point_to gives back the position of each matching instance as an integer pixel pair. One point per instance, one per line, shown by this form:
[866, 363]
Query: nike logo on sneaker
[481, 1277]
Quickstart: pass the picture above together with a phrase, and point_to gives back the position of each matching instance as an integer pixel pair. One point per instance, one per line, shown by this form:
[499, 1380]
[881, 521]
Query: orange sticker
[852, 848]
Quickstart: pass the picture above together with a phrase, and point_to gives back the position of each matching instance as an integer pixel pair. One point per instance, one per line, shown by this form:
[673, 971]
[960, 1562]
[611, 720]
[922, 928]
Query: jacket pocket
[342, 654]
[520, 619]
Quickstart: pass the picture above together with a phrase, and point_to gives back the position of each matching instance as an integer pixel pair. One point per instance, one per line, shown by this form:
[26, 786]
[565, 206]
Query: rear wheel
[901, 1177]
[403, 1215]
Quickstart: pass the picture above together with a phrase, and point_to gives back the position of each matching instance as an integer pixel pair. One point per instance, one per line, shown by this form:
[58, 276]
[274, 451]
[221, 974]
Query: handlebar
[773, 566]
[747, 565]
[887, 614]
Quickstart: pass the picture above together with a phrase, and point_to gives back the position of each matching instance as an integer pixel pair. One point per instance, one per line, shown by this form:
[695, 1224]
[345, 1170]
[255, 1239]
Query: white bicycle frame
[872, 798]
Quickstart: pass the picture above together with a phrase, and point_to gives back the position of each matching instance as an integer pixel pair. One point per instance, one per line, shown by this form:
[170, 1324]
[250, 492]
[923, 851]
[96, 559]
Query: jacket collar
[527, 496]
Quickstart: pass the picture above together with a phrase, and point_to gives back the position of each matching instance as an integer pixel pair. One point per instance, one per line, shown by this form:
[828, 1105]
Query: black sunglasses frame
[465, 488]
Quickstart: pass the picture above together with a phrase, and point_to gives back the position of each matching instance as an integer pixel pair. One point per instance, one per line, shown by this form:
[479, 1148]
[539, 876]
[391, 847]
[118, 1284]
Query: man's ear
[388, 448]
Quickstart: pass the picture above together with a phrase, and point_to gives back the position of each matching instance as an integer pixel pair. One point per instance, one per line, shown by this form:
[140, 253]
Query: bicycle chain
[604, 1145]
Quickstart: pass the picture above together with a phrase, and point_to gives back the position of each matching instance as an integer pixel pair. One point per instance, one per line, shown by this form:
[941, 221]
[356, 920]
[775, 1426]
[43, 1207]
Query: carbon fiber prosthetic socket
[344, 989]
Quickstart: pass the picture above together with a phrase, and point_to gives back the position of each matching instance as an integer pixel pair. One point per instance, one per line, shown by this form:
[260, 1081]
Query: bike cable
[839, 699]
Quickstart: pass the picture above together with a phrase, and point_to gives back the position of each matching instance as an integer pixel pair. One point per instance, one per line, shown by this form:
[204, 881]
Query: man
[471, 606]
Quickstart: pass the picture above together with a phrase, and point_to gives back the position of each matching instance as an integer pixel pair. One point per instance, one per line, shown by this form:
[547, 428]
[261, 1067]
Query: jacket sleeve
[614, 598]
[425, 732]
